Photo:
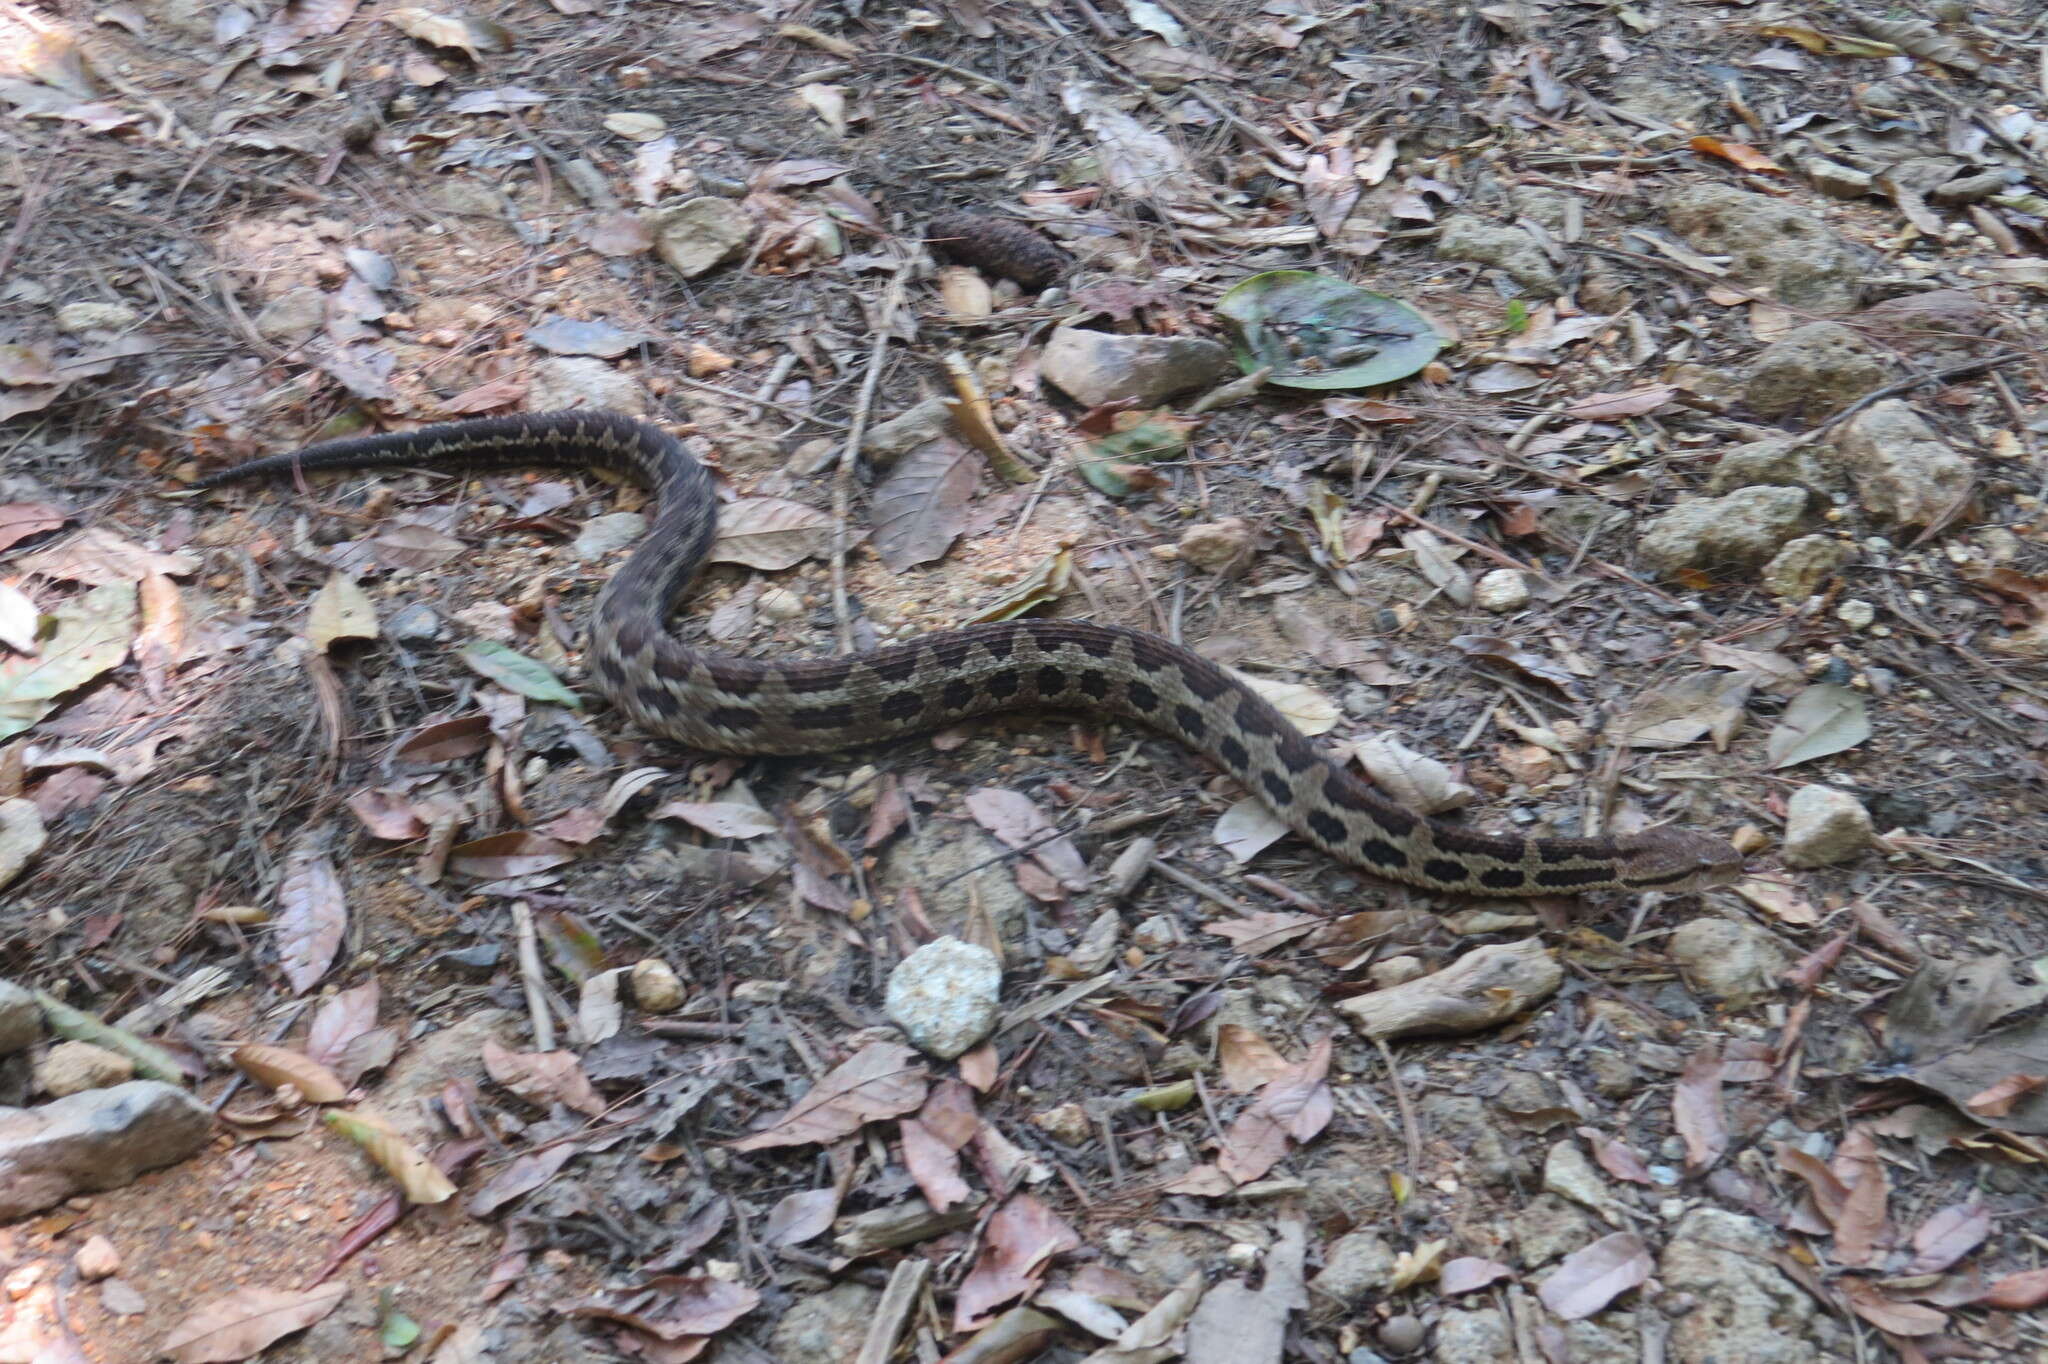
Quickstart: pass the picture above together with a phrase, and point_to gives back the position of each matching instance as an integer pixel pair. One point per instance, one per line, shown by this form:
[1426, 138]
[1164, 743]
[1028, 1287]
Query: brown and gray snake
[728, 704]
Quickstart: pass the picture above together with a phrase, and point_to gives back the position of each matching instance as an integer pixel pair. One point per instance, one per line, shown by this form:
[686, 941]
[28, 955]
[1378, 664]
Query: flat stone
[1094, 368]
[1749, 1310]
[76, 319]
[100, 1139]
[1824, 826]
[1742, 529]
[1216, 546]
[1549, 1227]
[945, 996]
[562, 381]
[1500, 591]
[1834, 179]
[1902, 470]
[696, 237]
[1356, 1264]
[293, 315]
[1813, 371]
[1773, 246]
[1509, 250]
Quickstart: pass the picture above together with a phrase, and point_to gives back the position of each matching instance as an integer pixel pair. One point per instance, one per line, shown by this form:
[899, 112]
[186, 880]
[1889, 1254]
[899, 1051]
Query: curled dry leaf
[1589, 1278]
[1021, 1240]
[881, 1080]
[721, 818]
[675, 1307]
[1018, 823]
[921, 507]
[518, 853]
[417, 1177]
[933, 1165]
[277, 1067]
[769, 533]
[1469, 1273]
[1256, 934]
[1410, 778]
[441, 741]
[246, 1322]
[1696, 1108]
[1247, 829]
[525, 1174]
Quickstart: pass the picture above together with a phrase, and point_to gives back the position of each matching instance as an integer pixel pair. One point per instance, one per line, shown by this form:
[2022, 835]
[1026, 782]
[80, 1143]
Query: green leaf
[514, 671]
[1823, 719]
[1517, 317]
[1319, 332]
[398, 1331]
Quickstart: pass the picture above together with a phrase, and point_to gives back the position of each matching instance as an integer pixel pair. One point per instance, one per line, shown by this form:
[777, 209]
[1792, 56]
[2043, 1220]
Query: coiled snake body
[740, 705]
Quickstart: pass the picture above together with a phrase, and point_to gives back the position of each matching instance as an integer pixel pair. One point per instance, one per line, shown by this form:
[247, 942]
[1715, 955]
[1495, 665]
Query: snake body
[730, 704]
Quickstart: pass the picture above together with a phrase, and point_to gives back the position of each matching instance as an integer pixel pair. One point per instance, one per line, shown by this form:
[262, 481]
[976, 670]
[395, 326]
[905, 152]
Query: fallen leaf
[720, 819]
[769, 533]
[387, 814]
[340, 610]
[19, 520]
[417, 1177]
[1634, 402]
[1294, 1106]
[1677, 713]
[1247, 1059]
[525, 1174]
[1947, 1236]
[312, 915]
[1696, 1108]
[1736, 153]
[2021, 1292]
[1591, 1277]
[920, 508]
[1247, 829]
[1468, 1273]
[1617, 1158]
[1825, 718]
[881, 1080]
[1256, 934]
[516, 672]
[88, 635]
[517, 853]
[1018, 823]
[1997, 1101]
[475, 36]
[675, 1307]
[1869, 1302]
[1020, 1241]
[246, 1322]
[543, 1077]
[100, 558]
[277, 1067]
[802, 1216]
[445, 740]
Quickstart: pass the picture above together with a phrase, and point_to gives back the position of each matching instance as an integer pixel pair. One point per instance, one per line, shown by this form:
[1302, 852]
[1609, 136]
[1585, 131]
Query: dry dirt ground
[225, 233]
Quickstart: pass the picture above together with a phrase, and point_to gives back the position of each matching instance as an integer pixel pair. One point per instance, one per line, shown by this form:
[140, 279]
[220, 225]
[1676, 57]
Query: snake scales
[740, 705]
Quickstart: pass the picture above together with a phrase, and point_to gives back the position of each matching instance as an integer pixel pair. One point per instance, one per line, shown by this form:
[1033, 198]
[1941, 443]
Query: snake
[730, 704]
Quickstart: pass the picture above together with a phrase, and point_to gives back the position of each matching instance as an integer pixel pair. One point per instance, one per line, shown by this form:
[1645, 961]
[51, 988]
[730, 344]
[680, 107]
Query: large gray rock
[1094, 367]
[1747, 1310]
[1356, 1265]
[1508, 249]
[1742, 529]
[100, 1139]
[1772, 246]
[1813, 371]
[1902, 470]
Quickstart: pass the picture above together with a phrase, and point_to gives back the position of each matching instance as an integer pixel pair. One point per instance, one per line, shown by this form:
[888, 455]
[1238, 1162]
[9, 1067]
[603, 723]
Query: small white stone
[97, 1259]
[945, 996]
[1856, 614]
[655, 986]
[1503, 590]
[779, 603]
[1824, 826]
[75, 319]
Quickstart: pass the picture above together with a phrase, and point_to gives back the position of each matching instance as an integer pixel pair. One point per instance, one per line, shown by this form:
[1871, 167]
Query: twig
[842, 480]
[1963, 370]
[530, 977]
[1409, 1131]
[906, 1285]
[1198, 886]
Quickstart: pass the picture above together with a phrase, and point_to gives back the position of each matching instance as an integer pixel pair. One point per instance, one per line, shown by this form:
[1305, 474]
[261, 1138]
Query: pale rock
[1824, 826]
[1217, 546]
[656, 987]
[1799, 570]
[1777, 460]
[76, 319]
[607, 534]
[1814, 371]
[1468, 1337]
[1094, 368]
[697, 236]
[1729, 959]
[825, 1328]
[945, 996]
[1856, 613]
[1355, 1265]
[1834, 179]
[100, 1139]
[1067, 1124]
[1509, 250]
[293, 315]
[1549, 1227]
[889, 441]
[1742, 529]
[1569, 1173]
[1391, 971]
[1502, 590]
[97, 1259]
[563, 381]
[1773, 246]
[779, 604]
[1902, 470]
[1751, 1310]
[21, 837]
[74, 1067]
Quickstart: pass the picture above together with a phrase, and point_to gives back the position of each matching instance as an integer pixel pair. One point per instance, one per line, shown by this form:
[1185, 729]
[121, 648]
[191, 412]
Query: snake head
[1676, 860]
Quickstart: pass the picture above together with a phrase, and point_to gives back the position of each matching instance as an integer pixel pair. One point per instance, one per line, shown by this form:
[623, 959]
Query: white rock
[945, 996]
[1728, 959]
[21, 836]
[655, 986]
[602, 535]
[1503, 590]
[778, 604]
[701, 234]
[75, 319]
[1217, 545]
[1856, 614]
[97, 1259]
[1094, 367]
[1824, 826]
[74, 1067]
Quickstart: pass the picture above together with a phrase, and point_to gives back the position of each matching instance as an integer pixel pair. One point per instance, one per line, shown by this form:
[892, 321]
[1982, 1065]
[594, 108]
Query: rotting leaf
[417, 1177]
[1681, 712]
[1018, 823]
[720, 818]
[1825, 718]
[516, 672]
[1257, 934]
[1696, 1109]
[1962, 1027]
[675, 1308]
[246, 1322]
[1318, 332]
[1021, 1239]
[881, 1080]
[525, 1174]
[1247, 829]
[468, 33]
[88, 635]
[517, 853]
[543, 1077]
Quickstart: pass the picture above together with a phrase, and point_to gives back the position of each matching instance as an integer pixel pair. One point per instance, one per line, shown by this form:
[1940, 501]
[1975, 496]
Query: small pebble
[1857, 615]
[1501, 591]
[655, 986]
[97, 1259]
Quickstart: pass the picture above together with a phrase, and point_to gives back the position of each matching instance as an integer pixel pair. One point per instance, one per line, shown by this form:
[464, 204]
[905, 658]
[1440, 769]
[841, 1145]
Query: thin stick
[1409, 1130]
[754, 400]
[898, 1300]
[530, 977]
[842, 481]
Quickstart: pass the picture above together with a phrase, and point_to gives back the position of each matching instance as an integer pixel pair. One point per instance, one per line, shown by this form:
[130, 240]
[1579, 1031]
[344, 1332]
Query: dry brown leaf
[1588, 1279]
[769, 533]
[1256, 934]
[520, 852]
[100, 558]
[1947, 1236]
[348, 1015]
[1736, 153]
[543, 1077]
[312, 915]
[417, 1177]
[1018, 823]
[720, 819]
[19, 520]
[340, 610]
[933, 1165]
[1294, 1106]
[1468, 1273]
[1248, 1060]
[277, 1067]
[1635, 402]
[881, 1080]
[159, 645]
[2021, 1292]
[681, 1308]
[386, 813]
[1696, 1108]
[525, 1174]
[1017, 1247]
[246, 1322]
[1869, 1302]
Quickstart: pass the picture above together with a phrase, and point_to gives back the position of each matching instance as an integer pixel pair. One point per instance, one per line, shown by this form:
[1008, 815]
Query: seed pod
[998, 247]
